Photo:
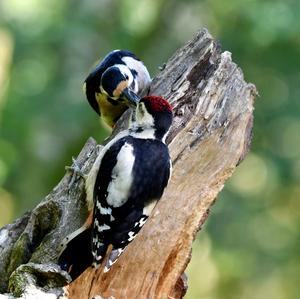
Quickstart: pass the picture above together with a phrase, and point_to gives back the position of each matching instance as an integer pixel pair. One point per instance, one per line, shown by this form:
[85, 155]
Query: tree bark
[210, 136]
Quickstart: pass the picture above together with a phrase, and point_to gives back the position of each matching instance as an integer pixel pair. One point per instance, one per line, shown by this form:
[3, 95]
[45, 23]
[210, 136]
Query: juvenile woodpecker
[117, 82]
[123, 186]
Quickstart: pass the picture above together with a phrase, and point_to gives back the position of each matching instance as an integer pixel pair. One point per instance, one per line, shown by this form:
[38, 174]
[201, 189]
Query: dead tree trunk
[210, 135]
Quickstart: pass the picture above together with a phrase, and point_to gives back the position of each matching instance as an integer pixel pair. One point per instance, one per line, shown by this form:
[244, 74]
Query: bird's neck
[147, 132]
[146, 128]
[142, 132]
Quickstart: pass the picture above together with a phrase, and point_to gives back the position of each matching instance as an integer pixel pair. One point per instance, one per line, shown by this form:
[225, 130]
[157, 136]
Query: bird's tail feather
[113, 257]
[76, 254]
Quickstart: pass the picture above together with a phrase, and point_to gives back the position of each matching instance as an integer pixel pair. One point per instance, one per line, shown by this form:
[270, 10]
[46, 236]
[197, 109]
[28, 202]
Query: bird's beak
[131, 97]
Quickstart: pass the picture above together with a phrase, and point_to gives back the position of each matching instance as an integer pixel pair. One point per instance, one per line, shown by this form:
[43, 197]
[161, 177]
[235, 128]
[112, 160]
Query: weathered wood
[211, 134]
[34, 238]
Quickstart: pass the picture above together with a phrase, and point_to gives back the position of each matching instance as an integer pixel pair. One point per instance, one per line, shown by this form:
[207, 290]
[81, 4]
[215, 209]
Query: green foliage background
[249, 248]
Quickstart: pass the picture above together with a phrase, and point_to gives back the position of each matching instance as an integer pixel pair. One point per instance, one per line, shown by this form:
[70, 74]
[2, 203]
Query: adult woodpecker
[117, 82]
[123, 186]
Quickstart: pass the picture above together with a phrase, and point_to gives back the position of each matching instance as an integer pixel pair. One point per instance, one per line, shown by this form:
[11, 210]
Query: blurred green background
[249, 247]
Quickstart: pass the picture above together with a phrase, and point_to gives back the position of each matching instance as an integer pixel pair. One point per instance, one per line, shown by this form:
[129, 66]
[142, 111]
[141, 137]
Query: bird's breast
[119, 187]
[111, 110]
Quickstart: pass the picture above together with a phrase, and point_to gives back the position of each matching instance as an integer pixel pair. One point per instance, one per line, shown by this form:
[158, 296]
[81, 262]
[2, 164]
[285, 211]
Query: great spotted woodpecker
[117, 82]
[123, 186]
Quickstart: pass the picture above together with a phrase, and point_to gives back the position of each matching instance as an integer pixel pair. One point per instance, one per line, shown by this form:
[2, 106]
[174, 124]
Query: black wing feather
[77, 256]
[151, 171]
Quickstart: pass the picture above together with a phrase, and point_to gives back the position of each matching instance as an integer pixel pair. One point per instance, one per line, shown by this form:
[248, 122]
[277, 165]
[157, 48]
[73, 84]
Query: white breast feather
[92, 175]
[119, 187]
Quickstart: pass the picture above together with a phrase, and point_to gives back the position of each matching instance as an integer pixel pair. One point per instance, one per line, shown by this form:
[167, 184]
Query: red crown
[157, 104]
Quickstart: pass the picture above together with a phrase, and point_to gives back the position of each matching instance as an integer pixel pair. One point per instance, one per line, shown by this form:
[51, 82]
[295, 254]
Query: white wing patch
[102, 227]
[141, 222]
[103, 211]
[131, 236]
[125, 71]
[118, 189]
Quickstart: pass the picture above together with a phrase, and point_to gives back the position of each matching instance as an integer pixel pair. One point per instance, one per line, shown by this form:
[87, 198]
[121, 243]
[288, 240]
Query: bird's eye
[126, 77]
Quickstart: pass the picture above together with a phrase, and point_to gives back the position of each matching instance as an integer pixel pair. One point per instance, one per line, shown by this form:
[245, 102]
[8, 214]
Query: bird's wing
[106, 185]
[131, 177]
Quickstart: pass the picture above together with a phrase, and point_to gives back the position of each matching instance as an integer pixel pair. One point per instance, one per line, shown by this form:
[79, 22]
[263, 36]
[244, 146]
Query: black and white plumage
[117, 82]
[123, 186]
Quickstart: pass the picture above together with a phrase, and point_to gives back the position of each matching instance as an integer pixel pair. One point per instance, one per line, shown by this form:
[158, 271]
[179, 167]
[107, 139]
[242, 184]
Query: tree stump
[210, 136]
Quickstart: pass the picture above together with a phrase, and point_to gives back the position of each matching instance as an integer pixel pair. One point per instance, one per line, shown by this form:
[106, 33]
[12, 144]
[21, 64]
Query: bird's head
[154, 112]
[116, 82]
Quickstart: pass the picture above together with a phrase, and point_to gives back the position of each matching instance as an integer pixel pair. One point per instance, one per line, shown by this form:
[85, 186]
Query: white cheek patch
[143, 118]
[119, 187]
[143, 79]
[126, 72]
